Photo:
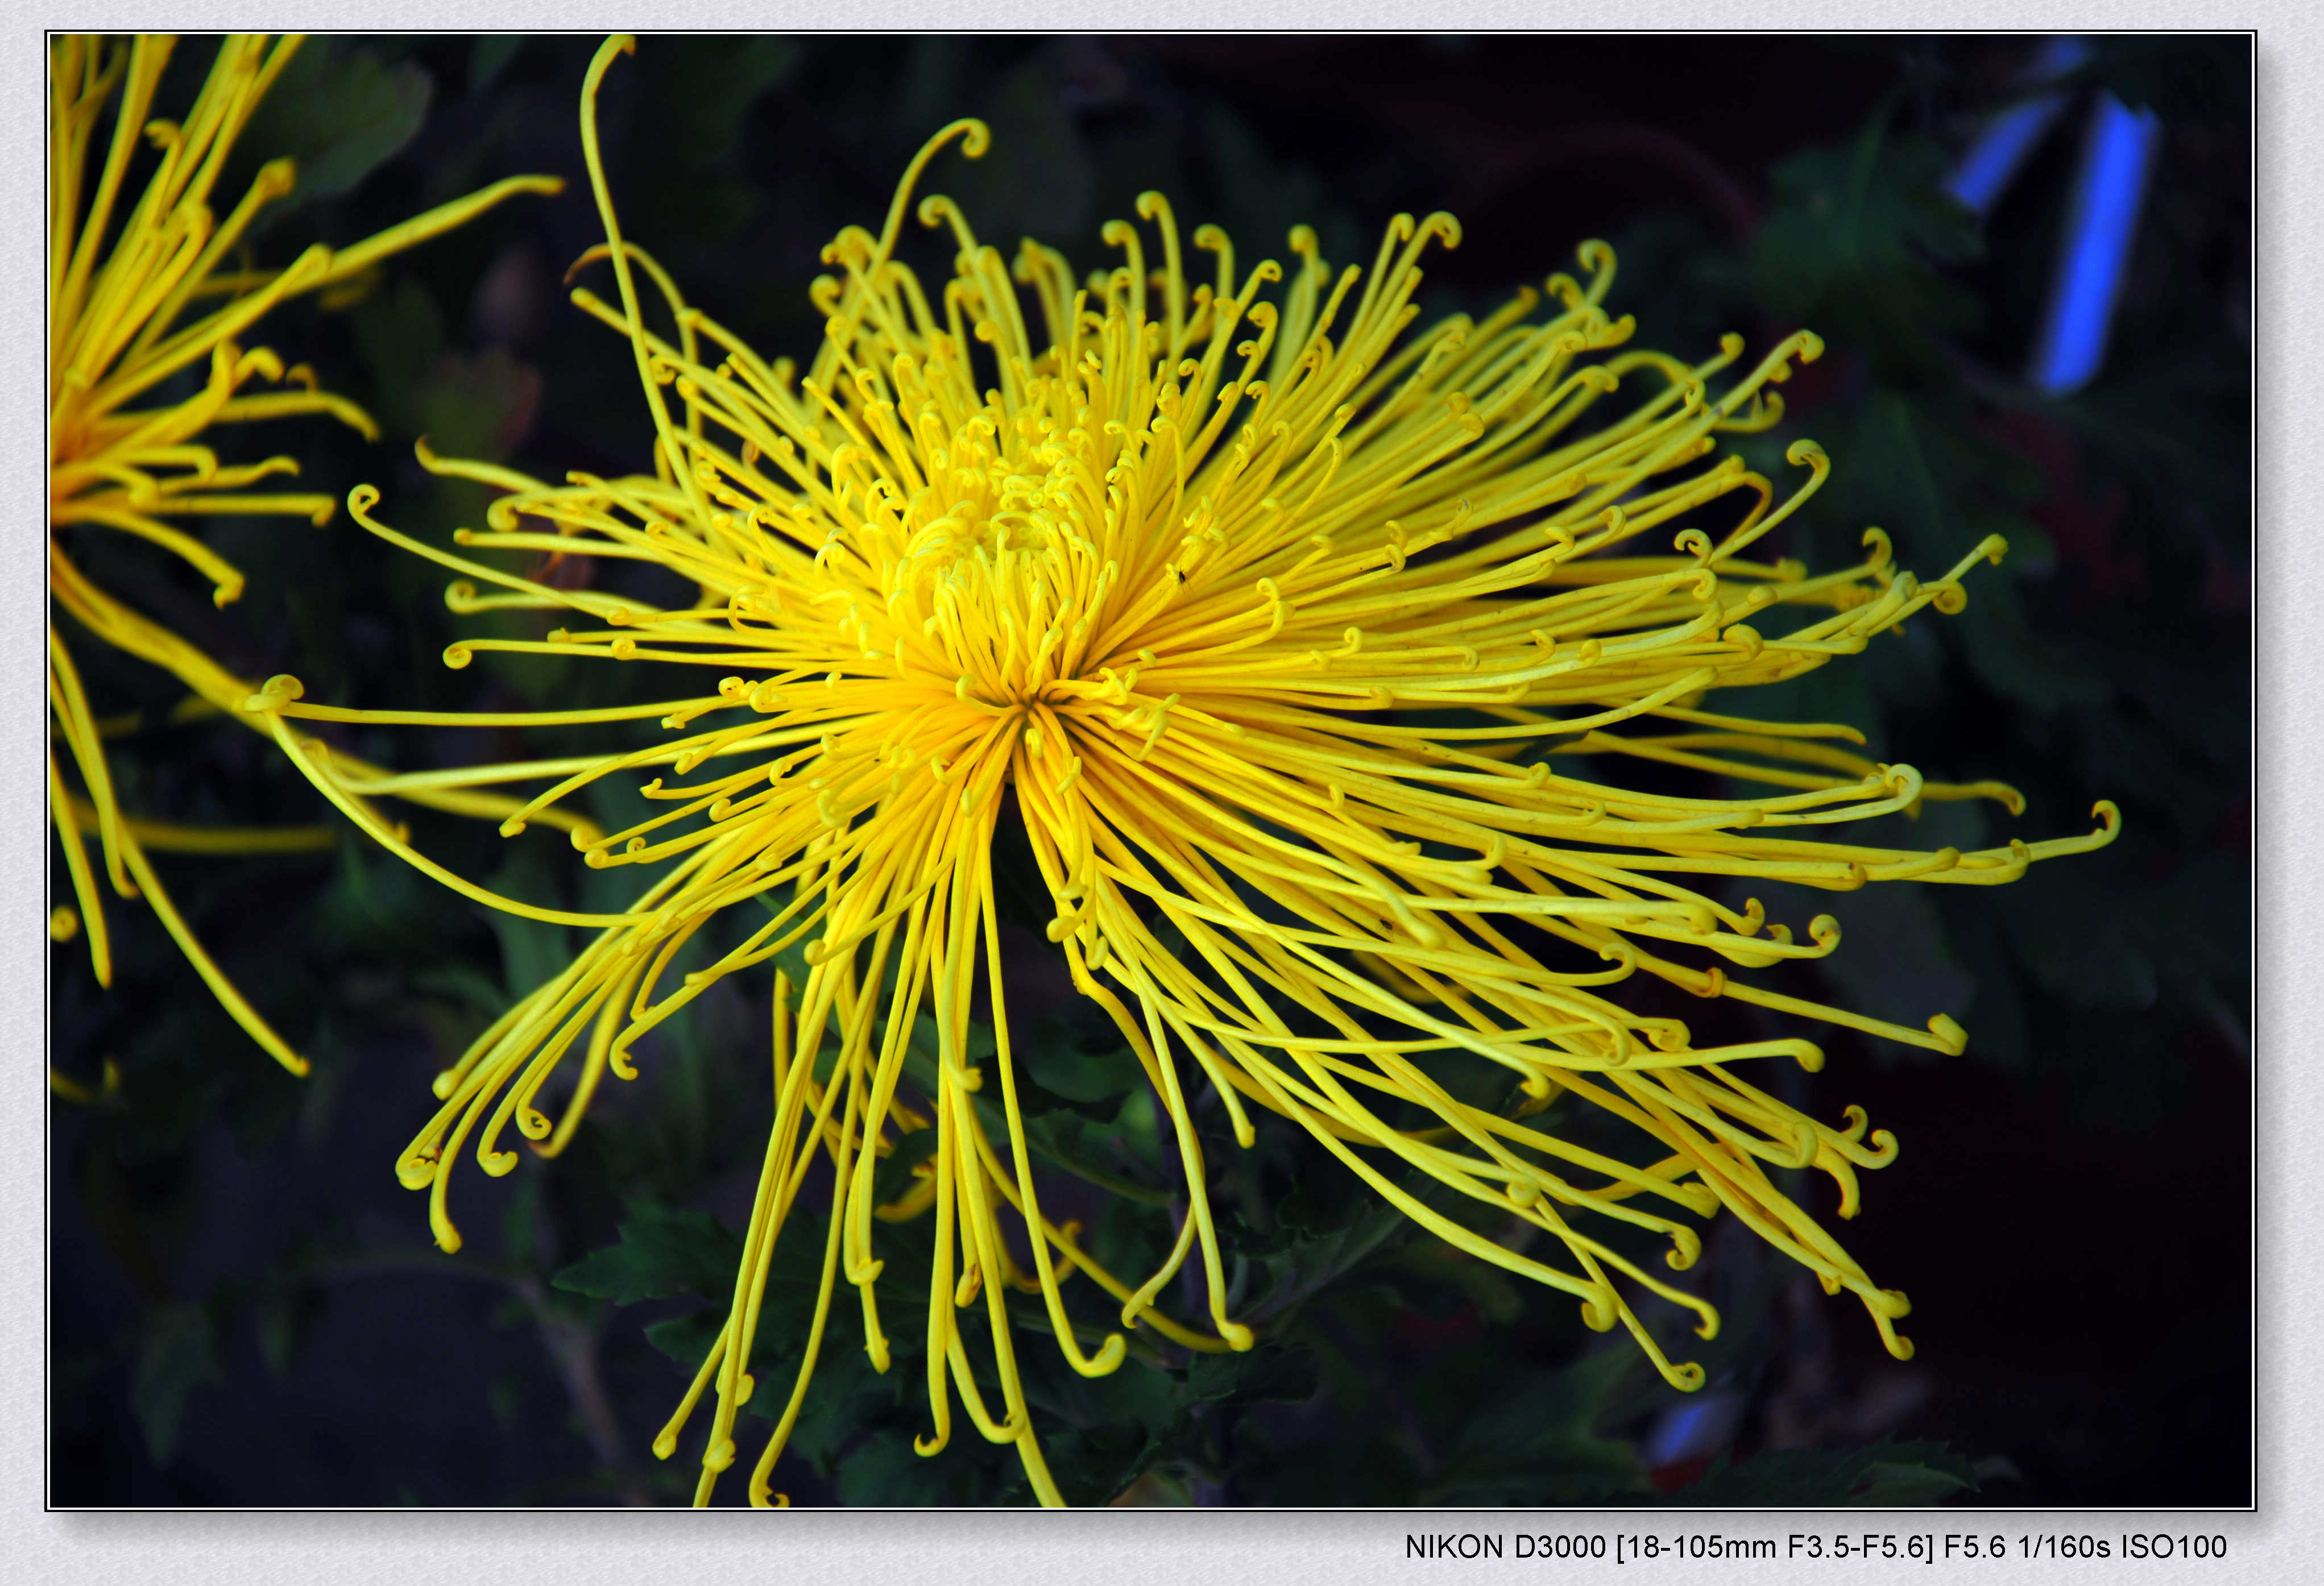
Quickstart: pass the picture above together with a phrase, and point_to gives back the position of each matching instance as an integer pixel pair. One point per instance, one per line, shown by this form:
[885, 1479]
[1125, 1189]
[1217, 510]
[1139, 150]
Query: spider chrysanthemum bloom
[150, 304]
[1287, 631]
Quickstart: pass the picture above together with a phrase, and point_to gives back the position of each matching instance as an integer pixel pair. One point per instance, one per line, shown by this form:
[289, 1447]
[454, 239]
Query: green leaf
[1069, 1059]
[1481, 1284]
[1849, 244]
[893, 1178]
[887, 1472]
[1886, 1474]
[1301, 1264]
[463, 986]
[666, 1254]
[521, 1225]
[1268, 1373]
[177, 1353]
[683, 167]
[398, 335]
[490, 57]
[1533, 1440]
[2014, 660]
[1893, 960]
[707, 86]
[1080, 1146]
[660, 1254]
[477, 407]
[1039, 179]
[1902, 1484]
[376, 904]
[2076, 937]
[340, 112]
[686, 1339]
[284, 1314]
[846, 1396]
[533, 952]
[1262, 196]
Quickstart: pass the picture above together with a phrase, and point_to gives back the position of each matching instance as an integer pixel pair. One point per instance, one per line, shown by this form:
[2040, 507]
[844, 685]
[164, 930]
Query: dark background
[244, 1306]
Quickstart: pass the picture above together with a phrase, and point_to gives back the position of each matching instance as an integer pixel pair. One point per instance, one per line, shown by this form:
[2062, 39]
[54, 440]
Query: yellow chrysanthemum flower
[135, 309]
[1282, 631]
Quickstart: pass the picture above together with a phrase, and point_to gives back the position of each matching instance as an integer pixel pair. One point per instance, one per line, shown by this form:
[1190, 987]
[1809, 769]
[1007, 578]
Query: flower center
[993, 566]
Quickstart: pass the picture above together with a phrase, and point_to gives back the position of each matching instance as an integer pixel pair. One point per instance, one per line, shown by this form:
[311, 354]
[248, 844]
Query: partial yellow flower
[143, 288]
[1286, 632]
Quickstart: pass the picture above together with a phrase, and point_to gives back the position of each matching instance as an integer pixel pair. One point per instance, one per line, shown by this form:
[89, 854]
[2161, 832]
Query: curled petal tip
[278, 691]
[1686, 1246]
[1946, 1029]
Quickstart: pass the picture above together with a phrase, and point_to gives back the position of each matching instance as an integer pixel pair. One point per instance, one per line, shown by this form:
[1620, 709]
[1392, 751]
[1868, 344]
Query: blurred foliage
[338, 110]
[244, 1308]
[1887, 1475]
[2107, 658]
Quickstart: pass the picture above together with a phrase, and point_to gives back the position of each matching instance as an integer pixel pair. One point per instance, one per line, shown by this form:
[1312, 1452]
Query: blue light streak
[1992, 162]
[2102, 221]
[1985, 171]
